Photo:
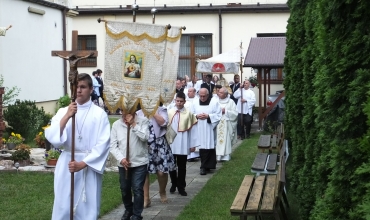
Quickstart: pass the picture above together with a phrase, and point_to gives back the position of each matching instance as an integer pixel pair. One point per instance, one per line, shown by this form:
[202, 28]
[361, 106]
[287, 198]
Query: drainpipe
[220, 31]
[64, 14]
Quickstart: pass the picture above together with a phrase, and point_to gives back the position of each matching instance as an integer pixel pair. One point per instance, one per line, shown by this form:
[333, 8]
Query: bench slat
[264, 141]
[255, 197]
[259, 161]
[241, 196]
[274, 141]
[269, 194]
[271, 166]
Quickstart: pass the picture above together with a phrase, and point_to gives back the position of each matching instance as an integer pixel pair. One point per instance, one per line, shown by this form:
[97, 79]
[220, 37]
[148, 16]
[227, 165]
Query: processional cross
[73, 56]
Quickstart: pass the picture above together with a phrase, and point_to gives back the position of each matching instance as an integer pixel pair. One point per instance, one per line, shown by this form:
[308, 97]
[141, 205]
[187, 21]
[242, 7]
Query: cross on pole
[73, 56]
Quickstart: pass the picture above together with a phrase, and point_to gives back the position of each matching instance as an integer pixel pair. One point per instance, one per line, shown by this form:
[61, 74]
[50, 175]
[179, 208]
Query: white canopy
[227, 62]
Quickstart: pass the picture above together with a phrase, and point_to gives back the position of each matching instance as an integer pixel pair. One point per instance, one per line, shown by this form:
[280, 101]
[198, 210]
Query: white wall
[25, 51]
[236, 28]
[149, 3]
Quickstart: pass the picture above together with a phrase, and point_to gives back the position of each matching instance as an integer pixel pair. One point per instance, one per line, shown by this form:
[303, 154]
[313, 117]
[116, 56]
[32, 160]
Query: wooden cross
[74, 56]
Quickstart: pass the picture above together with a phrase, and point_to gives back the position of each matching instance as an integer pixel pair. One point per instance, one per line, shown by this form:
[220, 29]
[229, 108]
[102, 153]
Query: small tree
[10, 93]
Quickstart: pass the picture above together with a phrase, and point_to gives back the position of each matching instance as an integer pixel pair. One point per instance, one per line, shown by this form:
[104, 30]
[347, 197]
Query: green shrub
[63, 101]
[26, 119]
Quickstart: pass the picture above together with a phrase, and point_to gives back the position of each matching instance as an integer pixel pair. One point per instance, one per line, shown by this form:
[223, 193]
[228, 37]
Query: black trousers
[178, 176]
[207, 158]
[247, 124]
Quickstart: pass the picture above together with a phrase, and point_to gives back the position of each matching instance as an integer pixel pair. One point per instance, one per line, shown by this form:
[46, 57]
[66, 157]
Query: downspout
[64, 14]
[220, 31]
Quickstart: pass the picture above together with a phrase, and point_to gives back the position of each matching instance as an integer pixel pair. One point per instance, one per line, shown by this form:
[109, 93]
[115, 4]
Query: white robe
[183, 140]
[226, 129]
[206, 131]
[93, 149]
[248, 95]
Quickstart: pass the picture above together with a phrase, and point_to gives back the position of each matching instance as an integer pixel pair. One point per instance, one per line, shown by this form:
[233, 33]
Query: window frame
[82, 45]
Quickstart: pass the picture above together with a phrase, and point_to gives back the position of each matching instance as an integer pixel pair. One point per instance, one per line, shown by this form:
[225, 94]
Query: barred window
[87, 42]
[191, 47]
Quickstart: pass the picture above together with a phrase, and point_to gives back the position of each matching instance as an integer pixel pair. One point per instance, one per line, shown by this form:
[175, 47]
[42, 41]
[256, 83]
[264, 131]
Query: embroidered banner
[140, 65]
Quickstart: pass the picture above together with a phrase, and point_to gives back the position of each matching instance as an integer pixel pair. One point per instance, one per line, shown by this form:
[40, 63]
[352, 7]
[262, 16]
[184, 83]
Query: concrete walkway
[176, 202]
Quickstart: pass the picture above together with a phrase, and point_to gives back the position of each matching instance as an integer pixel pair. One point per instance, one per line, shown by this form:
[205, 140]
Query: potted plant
[22, 154]
[253, 81]
[51, 156]
[41, 140]
[14, 140]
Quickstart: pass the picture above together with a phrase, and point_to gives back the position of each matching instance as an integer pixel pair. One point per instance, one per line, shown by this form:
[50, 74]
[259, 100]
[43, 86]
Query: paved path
[176, 202]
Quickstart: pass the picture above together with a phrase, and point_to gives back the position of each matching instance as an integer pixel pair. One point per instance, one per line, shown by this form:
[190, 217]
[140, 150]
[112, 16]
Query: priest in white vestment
[208, 113]
[92, 132]
[226, 128]
[3, 30]
[183, 122]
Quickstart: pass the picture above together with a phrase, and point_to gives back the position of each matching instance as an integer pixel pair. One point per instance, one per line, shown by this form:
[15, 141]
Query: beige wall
[49, 107]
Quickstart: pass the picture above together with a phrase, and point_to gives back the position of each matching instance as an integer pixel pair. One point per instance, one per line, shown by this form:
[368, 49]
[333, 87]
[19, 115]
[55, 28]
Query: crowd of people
[197, 125]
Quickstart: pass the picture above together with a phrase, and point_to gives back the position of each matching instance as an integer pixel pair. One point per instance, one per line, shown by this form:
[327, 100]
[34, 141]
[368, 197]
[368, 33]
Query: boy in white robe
[183, 122]
[92, 134]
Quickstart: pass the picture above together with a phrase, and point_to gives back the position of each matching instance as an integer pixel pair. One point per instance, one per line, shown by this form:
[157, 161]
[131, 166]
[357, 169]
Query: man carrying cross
[91, 151]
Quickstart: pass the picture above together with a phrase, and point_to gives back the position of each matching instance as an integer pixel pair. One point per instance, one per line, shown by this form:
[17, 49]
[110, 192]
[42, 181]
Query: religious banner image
[136, 56]
[133, 64]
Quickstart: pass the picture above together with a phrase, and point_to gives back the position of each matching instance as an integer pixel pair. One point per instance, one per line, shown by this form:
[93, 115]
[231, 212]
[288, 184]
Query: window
[87, 42]
[276, 75]
[191, 47]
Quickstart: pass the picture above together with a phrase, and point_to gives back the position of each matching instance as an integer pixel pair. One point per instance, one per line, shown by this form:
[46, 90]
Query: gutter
[262, 8]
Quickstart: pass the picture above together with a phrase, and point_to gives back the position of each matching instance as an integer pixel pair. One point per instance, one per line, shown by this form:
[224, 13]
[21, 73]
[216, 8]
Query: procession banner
[139, 65]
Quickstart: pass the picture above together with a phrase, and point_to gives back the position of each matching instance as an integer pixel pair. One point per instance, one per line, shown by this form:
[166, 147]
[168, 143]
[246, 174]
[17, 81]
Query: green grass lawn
[30, 195]
[214, 200]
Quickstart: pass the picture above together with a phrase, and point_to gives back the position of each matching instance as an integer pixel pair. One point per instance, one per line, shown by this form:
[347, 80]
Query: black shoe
[183, 193]
[127, 215]
[134, 217]
[191, 160]
[203, 171]
[173, 189]
[207, 169]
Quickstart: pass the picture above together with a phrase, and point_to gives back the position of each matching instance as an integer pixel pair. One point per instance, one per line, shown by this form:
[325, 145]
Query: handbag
[170, 134]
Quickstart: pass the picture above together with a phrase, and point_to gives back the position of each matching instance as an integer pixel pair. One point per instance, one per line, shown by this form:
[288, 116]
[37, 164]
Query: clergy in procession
[183, 124]
[208, 113]
[135, 165]
[226, 128]
[189, 104]
[92, 134]
[247, 98]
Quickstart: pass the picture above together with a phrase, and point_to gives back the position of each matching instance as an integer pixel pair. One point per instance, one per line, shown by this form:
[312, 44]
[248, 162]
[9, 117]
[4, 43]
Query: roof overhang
[266, 52]
[47, 4]
[122, 9]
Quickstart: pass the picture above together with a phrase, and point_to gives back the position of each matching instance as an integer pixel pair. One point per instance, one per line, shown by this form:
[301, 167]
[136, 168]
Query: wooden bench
[265, 164]
[262, 195]
[272, 142]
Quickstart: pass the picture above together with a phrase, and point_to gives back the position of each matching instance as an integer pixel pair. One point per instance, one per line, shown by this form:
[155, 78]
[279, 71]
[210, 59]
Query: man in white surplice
[226, 128]
[247, 99]
[208, 113]
[92, 134]
[190, 100]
